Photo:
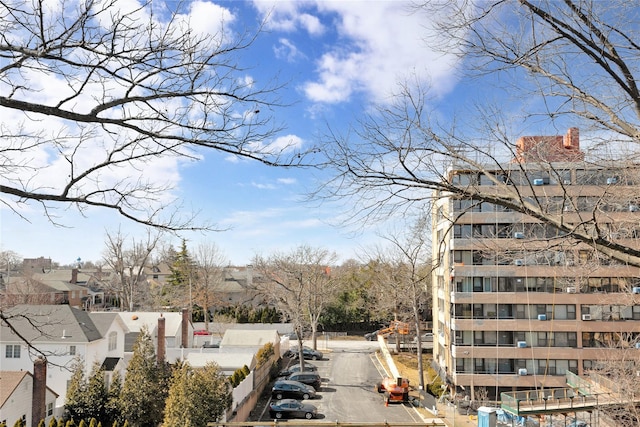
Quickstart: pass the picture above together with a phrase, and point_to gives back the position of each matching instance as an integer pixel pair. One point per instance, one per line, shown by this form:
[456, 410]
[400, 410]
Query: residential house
[71, 286]
[62, 334]
[17, 390]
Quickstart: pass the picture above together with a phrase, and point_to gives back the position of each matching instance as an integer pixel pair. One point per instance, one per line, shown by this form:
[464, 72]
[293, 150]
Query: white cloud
[287, 50]
[281, 144]
[378, 44]
[263, 186]
[209, 18]
[311, 23]
[287, 181]
[287, 16]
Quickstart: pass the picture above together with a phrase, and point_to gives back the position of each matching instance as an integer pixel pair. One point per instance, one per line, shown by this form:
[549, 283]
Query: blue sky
[338, 58]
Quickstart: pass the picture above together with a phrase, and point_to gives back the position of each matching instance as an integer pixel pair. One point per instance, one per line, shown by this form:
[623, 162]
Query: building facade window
[72, 350]
[12, 351]
[113, 341]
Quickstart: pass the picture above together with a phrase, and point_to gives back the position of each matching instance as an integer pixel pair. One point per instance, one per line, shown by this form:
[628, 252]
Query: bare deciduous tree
[209, 263]
[95, 95]
[128, 261]
[572, 64]
[405, 277]
[582, 60]
[300, 284]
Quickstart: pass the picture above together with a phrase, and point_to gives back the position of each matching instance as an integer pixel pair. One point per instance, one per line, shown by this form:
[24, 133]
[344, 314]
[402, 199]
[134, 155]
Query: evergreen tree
[181, 267]
[180, 401]
[113, 410]
[42, 423]
[76, 403]
[95, 394]
[53, 422]
[183, 275]
[197, 397]
[143, 393]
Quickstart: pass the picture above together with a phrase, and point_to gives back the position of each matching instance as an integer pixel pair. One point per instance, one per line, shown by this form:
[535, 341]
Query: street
[350, 372]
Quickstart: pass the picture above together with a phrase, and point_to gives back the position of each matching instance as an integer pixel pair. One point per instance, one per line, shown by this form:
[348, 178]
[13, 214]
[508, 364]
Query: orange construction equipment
[394, 389]
[395, 326]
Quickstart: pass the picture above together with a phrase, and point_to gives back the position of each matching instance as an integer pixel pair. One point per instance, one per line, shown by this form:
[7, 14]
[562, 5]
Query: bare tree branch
[133, 87]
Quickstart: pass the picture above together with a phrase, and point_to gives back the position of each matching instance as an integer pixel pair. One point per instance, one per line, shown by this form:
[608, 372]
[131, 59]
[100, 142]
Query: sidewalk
[452, 418]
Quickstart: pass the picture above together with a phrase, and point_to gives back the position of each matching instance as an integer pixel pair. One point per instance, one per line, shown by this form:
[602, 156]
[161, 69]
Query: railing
[581, 394]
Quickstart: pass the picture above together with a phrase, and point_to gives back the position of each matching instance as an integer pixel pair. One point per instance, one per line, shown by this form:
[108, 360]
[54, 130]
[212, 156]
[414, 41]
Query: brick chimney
[74, 276]
[39, 397]
[185, 328]
[161, 340]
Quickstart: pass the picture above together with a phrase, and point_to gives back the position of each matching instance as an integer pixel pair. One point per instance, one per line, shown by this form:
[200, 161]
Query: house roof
[249, 337]
[55, 280]
[104, 321]
[282, 328]
[49, 323]
[61, 276]
[135, 320]
[228, 362]
[10, 380]
[109, 363]
[173, 321]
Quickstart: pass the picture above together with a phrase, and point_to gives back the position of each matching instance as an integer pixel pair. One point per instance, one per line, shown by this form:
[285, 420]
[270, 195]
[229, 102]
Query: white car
[426, 337]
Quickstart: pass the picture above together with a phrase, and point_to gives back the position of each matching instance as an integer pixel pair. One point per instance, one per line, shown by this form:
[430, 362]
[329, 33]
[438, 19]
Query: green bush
[265, 353]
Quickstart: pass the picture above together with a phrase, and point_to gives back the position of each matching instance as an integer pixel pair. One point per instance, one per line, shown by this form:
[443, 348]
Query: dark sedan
[307, 353]
[290, 408]
[286, 389]
[308, 378]
[371, 336]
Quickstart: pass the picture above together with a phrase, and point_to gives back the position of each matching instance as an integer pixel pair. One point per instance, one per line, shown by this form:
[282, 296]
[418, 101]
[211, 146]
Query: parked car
[426, 337]
[309, 378]
[371, 336]
[290, 408]
[287, 389]
[211, 344]
[296, 368]
[307, 353]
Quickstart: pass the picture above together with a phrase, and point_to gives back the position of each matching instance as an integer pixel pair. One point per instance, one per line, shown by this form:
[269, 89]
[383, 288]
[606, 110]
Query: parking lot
[349, 371]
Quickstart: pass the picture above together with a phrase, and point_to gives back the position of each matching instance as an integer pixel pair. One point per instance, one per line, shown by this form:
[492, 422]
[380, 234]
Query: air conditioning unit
[635, 290]
[612, 180]
[566, 182]
[522, 372]
[542, 317]
[638, 345]
[571, 290]
[586, 317]
[522, 344]
[519, 262]
[538, 181]
[518, 235]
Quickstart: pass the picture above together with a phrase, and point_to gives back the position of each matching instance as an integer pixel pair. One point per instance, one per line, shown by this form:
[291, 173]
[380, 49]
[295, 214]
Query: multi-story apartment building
[517, 303]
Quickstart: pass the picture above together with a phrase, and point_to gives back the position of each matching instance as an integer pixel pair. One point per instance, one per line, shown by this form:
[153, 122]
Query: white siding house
[16, 389]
